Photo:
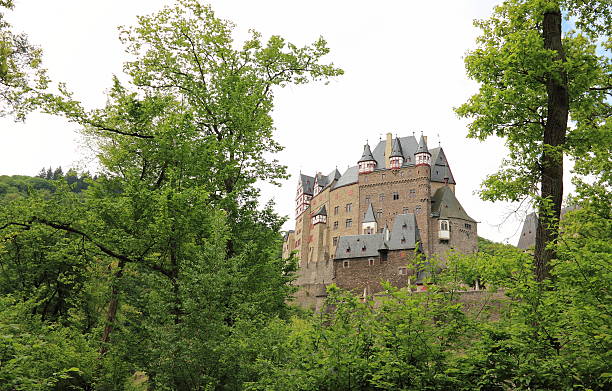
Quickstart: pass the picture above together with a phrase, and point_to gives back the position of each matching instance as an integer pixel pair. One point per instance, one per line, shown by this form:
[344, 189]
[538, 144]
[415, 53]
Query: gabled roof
[396, 149]
[321, 212]
[334, 175]
[307, 183]
[440, 167]
[350, 176]
[404, 236]
[530, 225]
[422, 148]
[367, 154]
[408, 146]
[357, 246]
[444, 204]
[369, 215]
[405, 232]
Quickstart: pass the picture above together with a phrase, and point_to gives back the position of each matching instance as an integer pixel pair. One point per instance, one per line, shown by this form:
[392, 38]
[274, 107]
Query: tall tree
[21, 75]
[533, 80]
[175, 215]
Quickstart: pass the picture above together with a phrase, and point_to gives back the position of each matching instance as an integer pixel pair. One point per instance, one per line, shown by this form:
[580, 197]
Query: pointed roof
[440, 169]
[367, 154]
[444, 204]
[405, 233]
[321, 212]
[307, 183]
[422, 148]
[396, 149]
[369, 215]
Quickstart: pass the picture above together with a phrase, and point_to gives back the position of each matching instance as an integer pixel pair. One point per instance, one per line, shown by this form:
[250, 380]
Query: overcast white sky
[404, 72]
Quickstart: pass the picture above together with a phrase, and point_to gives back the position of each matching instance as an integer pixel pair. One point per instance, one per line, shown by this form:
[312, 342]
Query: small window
[346, 264]
[396, 196]
[379, 214]
[417, 210]
[371, 262]
[412, 193]
[335, 240]
[336, 210]
[402, 271]
[367, 200]
[363, 248]
[348, 250]
[335, 225]
[381, 197]
[443, 225]
[405, 211]
[349, 207]
[349, 223]
[403, 240]
[468, 226]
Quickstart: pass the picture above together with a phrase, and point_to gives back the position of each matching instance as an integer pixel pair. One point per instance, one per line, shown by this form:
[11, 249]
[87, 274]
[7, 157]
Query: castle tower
[422, 155]
[318, 246]
[367, 163]
[369, 225]
[422, 158]
[397, 156]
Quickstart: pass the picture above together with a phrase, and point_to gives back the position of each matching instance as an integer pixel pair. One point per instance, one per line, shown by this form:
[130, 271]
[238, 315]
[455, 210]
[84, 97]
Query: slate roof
[405, 233]
[369, 215]
[404, 236]
[444, 204]
[350, 176]
[307, 183]
[396, 148]
[408, 145]
[422, 146]
[528, 233]
[367, 154]
[357, 246]
[440, 167]
[321, 212]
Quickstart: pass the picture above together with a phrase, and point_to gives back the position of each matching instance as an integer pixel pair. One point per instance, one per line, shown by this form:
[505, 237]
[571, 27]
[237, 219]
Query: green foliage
[21, 74]
[512, 67]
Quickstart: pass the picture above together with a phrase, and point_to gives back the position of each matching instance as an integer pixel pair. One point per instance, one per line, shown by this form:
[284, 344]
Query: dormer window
[348, 250]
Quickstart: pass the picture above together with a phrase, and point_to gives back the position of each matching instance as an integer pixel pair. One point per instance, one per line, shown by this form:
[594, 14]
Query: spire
[422, 146]
[396, 150]
[369, 215]
[367, 154]
[422, 154]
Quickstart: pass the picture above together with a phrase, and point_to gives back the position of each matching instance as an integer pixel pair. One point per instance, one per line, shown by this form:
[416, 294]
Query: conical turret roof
[367, 155]
[396, 149]
[422, 148]
[369, 215]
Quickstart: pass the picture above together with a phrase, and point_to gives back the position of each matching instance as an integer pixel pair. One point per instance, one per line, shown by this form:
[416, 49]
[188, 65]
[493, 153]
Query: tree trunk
[549, 210]
[113, 305]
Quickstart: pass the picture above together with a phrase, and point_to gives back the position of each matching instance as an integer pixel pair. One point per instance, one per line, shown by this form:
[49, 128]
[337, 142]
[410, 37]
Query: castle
[366, 226]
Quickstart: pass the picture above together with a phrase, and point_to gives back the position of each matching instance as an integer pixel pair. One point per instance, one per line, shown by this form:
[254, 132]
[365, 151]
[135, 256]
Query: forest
[163, 271]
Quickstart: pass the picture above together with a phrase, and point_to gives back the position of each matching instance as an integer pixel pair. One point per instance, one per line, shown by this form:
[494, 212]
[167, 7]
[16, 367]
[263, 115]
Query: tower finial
[439, 142]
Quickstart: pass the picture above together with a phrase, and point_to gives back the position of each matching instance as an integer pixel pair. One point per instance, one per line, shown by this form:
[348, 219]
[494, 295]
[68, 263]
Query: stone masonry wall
[413, 190]
[360, 275]
[339, 198]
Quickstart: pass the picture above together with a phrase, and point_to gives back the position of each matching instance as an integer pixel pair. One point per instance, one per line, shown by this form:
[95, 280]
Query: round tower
[422, 157]
[397, 156]
[367, 163]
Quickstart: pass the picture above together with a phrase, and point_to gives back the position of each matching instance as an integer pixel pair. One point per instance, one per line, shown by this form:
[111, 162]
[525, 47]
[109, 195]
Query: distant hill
[16, 186]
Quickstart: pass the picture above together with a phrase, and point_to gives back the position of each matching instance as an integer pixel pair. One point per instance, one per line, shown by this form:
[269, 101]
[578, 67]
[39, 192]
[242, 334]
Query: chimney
[425, 137]
[388, 147]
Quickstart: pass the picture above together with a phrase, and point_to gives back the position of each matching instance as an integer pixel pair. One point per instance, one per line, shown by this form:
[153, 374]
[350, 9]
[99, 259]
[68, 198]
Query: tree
[533, 80]
[21, 74]
[174, 216]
